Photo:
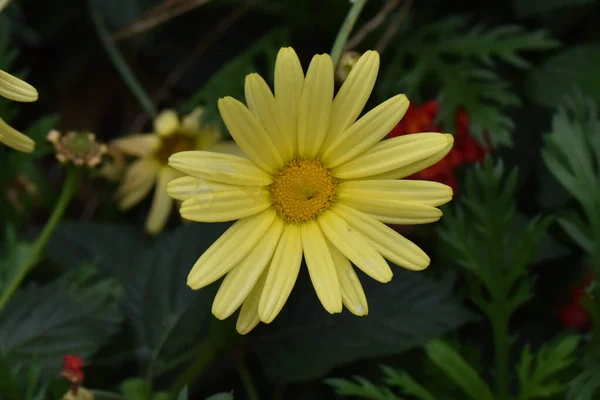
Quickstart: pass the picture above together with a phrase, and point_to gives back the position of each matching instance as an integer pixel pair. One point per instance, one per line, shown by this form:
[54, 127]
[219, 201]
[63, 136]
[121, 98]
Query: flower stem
[344, 33]
[122, 67]
[501, 350]
[250, 388]
[36, 250]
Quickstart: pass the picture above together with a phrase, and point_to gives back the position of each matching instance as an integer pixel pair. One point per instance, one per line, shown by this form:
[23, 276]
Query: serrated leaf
[572, 67]
[457, 369]
[43, 323]
[361, 388]
[538, 381]
[305, 342]
[407, 383]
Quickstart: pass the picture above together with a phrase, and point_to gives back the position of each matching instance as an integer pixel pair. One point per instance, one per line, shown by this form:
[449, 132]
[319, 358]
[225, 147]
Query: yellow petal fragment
[166, 123]
[321, 267]
[162, 204]
[218, 167]
[352, 96]
[228, 205]
[240, 281]
[315, 106]
[15, 139]
[353, 295]
[263, 106]
[16, 89]
[190, 123]
[229, 249]
[137, 182]
[392, 245]
[394, 153]
[139, 145]
[248, 133]
[420, 192]
[355, 247]
[366, 132]
[248, 318]
[187, 187]
[416, 166]
[289, 79]
[283, 272]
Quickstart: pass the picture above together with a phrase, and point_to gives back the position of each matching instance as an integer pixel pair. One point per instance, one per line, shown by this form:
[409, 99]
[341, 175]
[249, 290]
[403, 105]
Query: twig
[179, 72]
[393, 27]
[372, 24]
[344, 32]
[155, 18]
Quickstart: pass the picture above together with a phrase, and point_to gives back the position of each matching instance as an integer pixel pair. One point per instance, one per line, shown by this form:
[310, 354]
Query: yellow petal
[393, 211]
[229, 249]
[263, 106]
[248, 318]
[138, 145]
[415, 167]
[321, 267]
[366, 132]
[191, 122]
[384, 239]
[283, 272]
[229, 205]
[16, 89]
[289, 79]
[355, 247]
[15, 139]
[315, 106]
[247, 132]
[353, 295]
[218, 167]
[137, 182]
[243, 277]
[187, 187]
[412, 191]
[393, 154]
[3, 4]
[166, 123]
[352, 96]
[162, 203]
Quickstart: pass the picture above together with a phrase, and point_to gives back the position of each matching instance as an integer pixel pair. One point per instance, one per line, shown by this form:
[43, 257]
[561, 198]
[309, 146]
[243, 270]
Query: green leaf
[305, 342]
[136, 389]
[183, 395]
[458, 370]
[572, 67]
[166, 314]
[529, 8]
[539, 380]
[362, 388]
[586, 384]
[67, 316]
[221, 396]
[407, 383]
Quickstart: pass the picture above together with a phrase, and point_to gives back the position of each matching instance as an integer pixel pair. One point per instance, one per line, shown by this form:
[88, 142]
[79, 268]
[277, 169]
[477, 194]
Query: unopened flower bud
[347, 62]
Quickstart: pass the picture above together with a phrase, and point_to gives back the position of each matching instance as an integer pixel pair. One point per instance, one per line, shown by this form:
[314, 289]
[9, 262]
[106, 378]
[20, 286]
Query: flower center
[302, 190]
[172, 144]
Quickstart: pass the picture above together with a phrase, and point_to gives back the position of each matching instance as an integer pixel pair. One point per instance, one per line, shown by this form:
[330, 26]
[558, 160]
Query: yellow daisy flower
[316, 183]
[153, 150]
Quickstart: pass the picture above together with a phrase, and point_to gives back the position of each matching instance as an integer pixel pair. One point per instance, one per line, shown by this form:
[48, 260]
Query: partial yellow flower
[316, 184]
[15, 89]
[151, 169]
